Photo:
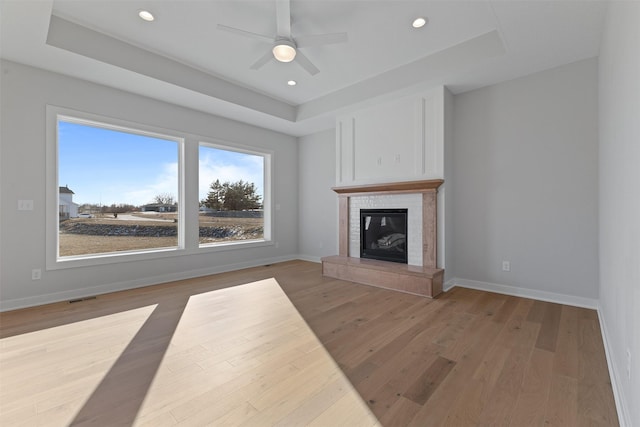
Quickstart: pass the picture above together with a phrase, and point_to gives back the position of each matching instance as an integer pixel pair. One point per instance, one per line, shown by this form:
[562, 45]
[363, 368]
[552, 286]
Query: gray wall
[25, 93]
[619, 94]
[318, 210]
[525, 174]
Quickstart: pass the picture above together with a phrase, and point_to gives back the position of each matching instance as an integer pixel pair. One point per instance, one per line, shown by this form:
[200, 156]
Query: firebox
[383, 234]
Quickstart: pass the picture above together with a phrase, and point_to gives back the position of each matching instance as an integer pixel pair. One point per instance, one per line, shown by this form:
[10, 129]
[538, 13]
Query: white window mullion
[190, 194]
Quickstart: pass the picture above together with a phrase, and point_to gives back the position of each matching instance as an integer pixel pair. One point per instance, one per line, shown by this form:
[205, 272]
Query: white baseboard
[624, 417]
[310, 258]
[449, 284]
[523, 292]
[14, 304]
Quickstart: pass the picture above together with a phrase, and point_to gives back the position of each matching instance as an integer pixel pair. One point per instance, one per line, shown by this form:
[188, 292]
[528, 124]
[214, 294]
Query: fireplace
[412, 201]
[383, 234]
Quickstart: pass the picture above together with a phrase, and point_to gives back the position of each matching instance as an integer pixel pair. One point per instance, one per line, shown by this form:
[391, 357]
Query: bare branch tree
[164, 199]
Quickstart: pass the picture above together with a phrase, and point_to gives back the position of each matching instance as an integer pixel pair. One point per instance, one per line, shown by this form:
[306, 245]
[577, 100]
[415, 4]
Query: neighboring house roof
[65, 190]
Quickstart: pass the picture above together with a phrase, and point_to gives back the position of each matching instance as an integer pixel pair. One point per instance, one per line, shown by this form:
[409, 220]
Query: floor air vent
[81, 299]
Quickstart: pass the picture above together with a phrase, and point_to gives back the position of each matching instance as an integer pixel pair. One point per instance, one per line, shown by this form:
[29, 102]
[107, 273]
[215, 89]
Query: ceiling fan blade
[321, 39]
[244, 33]
[262, 60]
[283, 18]
[306, 64]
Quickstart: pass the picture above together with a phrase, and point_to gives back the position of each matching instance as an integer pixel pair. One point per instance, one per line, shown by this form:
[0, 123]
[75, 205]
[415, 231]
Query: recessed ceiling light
[292, 82]
[146, 15]
[419, 22]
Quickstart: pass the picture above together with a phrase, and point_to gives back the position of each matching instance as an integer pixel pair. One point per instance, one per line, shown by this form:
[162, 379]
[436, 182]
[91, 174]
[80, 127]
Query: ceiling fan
[284, 47]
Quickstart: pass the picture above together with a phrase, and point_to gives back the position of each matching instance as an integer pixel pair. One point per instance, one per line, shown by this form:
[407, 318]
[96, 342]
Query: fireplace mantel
[391, 188]
[424, 280]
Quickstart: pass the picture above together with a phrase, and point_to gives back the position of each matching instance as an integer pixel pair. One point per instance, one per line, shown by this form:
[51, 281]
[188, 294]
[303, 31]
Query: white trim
[14, 304]
[624, 417]
[524, 292]
[143, 255]
[448, 285]
[310, 258]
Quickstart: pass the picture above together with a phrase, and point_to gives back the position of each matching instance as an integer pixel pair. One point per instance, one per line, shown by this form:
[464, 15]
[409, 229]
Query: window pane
[231, 193]
[118, 190]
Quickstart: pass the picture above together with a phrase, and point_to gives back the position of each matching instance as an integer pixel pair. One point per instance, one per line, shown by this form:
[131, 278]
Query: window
[121, 191]
[232, 195]
[118, 189]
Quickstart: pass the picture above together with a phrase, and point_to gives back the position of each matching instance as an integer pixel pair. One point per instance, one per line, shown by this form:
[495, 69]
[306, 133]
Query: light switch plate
[25, 205]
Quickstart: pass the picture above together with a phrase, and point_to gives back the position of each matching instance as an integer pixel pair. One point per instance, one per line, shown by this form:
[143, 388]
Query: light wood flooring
[281, 345]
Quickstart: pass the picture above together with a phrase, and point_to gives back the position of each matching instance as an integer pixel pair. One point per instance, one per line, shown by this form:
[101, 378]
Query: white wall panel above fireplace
[401, 140]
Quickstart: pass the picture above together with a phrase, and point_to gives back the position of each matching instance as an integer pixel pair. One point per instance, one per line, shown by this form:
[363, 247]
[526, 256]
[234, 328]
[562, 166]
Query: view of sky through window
[229, 166]
[105, 167]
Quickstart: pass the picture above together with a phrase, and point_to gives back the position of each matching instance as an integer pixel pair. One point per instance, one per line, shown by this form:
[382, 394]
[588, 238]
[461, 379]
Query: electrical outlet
[506, 266]
[36, 274]
[628, 364]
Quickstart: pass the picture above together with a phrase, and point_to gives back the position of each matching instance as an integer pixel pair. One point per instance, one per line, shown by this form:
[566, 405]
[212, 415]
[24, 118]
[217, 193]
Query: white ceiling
[183, 58]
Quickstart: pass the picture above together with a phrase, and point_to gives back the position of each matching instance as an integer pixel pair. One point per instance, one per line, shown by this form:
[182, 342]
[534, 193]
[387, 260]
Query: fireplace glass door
[383, 234]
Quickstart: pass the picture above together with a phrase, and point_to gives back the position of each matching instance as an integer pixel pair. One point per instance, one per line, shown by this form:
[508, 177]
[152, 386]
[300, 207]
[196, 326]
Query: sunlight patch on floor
[244, 356]
[239, 355]
[55, 370]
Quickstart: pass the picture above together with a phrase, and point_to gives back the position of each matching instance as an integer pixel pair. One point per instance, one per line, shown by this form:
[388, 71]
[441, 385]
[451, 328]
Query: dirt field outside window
[141, 231]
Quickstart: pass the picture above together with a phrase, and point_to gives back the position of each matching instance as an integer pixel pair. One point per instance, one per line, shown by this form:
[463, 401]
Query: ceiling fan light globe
[284, 52]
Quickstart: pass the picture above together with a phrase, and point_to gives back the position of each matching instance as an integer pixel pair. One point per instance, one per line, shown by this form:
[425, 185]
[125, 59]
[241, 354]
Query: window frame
[188, 201]
[266, 187]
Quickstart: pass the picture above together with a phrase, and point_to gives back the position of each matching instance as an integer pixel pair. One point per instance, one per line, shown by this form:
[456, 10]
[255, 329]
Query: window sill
[160, 253]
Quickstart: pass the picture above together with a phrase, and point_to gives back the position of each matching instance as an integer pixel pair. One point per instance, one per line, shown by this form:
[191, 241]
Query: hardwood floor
[241, 348]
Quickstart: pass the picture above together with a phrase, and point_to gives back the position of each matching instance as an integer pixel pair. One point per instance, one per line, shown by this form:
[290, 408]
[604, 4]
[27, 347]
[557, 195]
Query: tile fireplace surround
[425, 279]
